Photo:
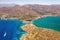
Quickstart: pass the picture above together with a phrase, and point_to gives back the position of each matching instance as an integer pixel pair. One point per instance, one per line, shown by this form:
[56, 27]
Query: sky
[22, 2]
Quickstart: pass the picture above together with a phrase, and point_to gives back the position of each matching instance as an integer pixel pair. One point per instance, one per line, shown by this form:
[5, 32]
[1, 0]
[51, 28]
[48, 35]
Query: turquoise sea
[49, 22]
[10, 29]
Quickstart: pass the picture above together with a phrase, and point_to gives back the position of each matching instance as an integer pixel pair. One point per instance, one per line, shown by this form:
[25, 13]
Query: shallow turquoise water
[50, 22]
[10, 29]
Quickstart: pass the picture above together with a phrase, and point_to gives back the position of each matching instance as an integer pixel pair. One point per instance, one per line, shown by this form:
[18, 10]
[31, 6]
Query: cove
[49, 22]
[10, 29]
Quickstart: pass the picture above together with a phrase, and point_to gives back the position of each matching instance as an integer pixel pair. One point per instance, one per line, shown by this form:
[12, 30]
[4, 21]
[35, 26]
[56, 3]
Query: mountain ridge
[30, 11]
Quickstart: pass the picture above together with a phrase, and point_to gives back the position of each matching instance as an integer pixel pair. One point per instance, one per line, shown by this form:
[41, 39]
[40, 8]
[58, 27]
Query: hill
[44, 9]
[29, 11]
[18, 12]
[35, 33]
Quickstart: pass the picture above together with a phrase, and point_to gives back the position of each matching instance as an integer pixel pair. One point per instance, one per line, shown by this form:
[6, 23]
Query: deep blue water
[10, 29]
[50, 22]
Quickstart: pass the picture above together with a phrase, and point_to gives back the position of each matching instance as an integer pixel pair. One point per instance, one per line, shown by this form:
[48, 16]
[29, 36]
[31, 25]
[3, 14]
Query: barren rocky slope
[44, 9]
[18, 12]
[35, 33]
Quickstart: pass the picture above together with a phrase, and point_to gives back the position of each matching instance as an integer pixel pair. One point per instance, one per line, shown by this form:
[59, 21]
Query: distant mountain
[28, 12]
[44, 9]
[7, 5]
[19, 12]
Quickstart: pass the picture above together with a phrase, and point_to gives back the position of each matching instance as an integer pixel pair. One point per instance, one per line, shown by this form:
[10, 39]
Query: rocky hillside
[35, 33]
[28, 12]
[44, 9]
[19, 12]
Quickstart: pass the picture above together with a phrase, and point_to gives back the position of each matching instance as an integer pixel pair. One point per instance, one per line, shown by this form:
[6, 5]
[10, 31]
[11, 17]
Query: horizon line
[30, 4]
